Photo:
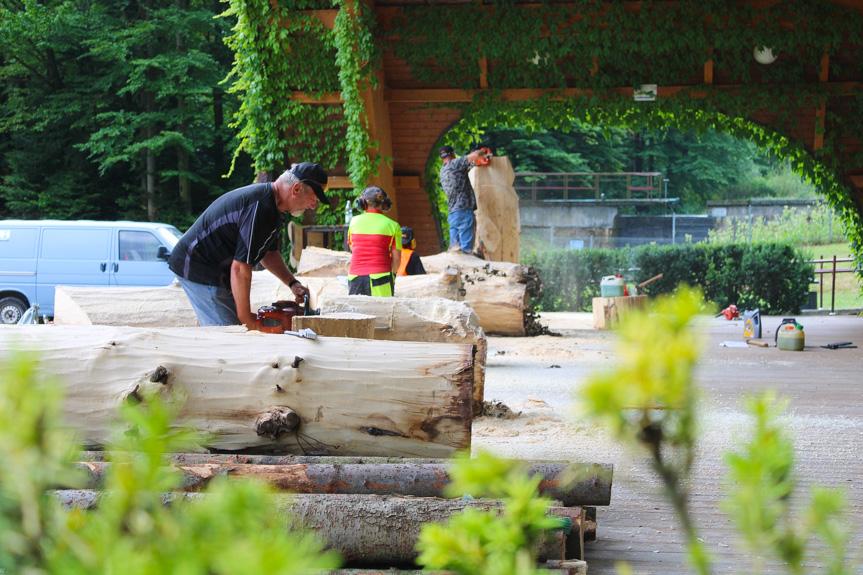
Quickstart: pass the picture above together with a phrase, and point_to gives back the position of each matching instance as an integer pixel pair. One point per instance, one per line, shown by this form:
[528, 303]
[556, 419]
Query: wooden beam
[340, 183]
[324, 98]
[708, 67]
[821, 112]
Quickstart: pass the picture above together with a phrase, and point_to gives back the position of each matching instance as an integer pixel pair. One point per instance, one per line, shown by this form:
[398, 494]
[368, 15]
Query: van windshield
[170, 235]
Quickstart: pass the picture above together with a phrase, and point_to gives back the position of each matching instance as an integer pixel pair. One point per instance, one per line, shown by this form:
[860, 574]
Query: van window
[139, 246]
[72, 244]
[18, 243]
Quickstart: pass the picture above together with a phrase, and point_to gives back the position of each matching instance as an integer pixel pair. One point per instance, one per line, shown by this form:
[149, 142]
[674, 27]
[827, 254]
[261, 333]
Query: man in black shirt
[214, 258]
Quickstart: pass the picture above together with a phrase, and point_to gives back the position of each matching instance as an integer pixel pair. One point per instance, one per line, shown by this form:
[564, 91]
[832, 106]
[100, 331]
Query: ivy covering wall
[588, 45]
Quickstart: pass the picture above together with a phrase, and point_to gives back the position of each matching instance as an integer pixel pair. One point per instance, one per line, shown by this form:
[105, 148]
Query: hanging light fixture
[763, 55]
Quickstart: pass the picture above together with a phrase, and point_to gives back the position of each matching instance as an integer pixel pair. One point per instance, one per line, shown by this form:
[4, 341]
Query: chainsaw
[485, 158]
[277, 318]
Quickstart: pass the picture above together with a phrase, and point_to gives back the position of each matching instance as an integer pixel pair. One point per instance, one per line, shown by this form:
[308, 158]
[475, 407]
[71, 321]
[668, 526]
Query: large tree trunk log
[445, 284]
[497, 220]
[131, 306]
[499, 292]
[320, 262]
[572, 485]
[421, 319]
[364, 529]
[348, 396]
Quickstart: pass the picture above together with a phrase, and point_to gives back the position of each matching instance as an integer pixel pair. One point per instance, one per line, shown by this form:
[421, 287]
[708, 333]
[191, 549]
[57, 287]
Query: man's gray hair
[289, 178]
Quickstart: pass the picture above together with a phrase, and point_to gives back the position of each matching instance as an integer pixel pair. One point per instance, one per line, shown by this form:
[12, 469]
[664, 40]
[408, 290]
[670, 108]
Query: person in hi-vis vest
[411, 264]
[376, 246]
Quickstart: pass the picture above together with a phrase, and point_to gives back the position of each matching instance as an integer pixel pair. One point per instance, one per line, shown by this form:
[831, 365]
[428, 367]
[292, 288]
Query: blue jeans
[461, 229]
[213, 305]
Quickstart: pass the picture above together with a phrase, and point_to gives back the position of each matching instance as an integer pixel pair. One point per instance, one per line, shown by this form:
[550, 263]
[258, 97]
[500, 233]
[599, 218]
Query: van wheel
[11, 309]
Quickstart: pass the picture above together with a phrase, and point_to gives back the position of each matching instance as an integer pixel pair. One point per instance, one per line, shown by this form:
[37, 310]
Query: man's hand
[299, 290]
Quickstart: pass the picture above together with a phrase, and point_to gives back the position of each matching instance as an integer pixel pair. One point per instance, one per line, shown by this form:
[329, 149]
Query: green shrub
[571, 278]
[773, 277]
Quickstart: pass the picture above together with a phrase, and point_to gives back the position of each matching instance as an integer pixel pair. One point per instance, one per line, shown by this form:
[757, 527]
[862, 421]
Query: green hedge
[771, 276]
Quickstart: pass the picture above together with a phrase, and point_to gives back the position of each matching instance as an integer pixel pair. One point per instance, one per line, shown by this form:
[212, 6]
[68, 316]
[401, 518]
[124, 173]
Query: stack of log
[499, 292]
[370, 510]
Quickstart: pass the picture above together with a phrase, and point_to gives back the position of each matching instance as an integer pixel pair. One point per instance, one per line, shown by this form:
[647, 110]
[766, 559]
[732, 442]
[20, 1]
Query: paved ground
[538, 377]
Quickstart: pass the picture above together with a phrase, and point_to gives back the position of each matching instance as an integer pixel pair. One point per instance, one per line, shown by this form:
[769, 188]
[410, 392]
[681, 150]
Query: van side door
[18, 261]
[137, 261]
[72, 256]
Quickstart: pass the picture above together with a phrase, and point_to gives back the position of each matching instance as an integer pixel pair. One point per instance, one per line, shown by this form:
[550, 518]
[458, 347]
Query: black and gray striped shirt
[241, 225]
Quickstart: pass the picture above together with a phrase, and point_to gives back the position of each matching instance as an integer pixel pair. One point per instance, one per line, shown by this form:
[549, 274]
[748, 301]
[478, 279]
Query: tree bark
[364, 529]
[573, 485]
[352, 396]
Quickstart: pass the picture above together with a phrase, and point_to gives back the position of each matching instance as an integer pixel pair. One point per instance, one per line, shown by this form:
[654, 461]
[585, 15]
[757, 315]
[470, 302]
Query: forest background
[123, 110]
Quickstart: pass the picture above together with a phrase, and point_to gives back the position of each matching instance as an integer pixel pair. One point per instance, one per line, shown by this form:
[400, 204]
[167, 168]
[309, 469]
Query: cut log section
[132, 306]
[573, 485]
[429, 319]
[498, 226]
[445, 284]
[499, 292]
[351, 396]
[342, 324]
[320, 262]
[608, 311]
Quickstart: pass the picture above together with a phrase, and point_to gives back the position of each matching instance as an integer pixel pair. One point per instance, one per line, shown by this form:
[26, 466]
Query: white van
[37, 255]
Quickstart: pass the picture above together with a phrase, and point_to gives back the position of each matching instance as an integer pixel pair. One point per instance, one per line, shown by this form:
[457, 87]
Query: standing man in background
[461, 200]
[214, 258]
[376, 246]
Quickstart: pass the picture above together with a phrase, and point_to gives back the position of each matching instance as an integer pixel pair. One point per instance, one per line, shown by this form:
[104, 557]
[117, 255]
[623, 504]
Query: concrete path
[539, 376]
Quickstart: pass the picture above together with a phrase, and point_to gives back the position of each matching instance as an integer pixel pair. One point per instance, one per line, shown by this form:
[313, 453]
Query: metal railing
[540, 186]
[832, 270]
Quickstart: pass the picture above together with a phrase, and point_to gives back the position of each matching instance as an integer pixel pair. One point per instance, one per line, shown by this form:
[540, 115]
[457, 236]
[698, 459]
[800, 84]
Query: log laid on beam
[364, 529]
[445, 284]
[430, 319]
[499, 292]
[573, 485]
[320, 262]
[347, 396]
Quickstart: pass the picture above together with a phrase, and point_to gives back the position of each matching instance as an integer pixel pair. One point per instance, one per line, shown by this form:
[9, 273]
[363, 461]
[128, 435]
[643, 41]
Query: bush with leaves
[487, 542]
[233, 529]
[659, 353]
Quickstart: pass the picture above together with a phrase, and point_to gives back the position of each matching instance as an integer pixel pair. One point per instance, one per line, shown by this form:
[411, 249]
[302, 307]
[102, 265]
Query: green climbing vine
[592, 46]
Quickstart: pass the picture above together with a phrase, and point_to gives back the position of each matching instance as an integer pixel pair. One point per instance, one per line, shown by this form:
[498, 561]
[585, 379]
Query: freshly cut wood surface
[321, 262]
[132, 306]
[608, 311]
[498, 225]
[350, 396]
[431, 319]
[337, 324]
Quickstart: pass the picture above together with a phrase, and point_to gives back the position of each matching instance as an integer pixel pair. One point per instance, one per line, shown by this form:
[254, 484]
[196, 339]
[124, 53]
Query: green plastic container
[790, 337]
[611, 286]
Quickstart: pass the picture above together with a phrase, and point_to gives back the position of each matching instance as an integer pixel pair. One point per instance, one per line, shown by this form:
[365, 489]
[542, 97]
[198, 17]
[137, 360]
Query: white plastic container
[611, 286]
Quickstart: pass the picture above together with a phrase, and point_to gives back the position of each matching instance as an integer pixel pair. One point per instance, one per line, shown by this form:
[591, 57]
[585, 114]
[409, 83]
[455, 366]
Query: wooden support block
[575, 538]
[344, 324]
[608, 311]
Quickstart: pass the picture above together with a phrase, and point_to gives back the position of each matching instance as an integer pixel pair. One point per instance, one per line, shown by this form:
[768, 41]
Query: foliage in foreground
[659, 352]
[234, 529]
[487, 542]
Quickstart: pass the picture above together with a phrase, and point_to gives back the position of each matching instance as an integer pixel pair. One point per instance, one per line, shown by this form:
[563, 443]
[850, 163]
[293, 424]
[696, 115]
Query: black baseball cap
[313, 176]
[446, 151]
